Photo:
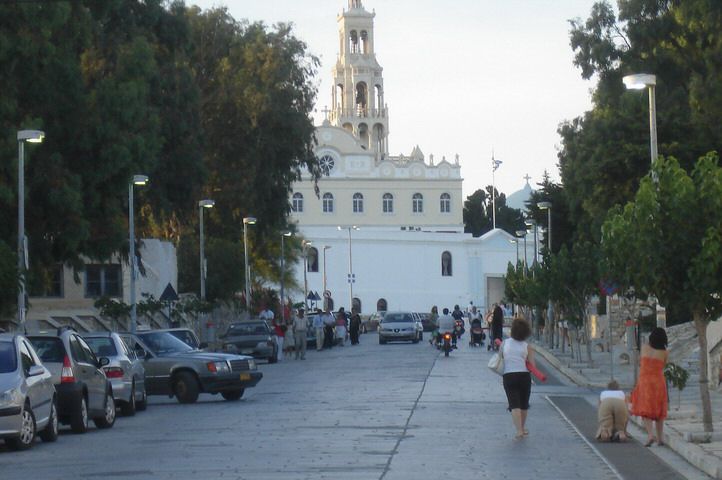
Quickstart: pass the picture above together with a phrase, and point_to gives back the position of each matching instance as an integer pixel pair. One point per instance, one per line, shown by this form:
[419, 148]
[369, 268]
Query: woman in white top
[612, 414]
[517, 379]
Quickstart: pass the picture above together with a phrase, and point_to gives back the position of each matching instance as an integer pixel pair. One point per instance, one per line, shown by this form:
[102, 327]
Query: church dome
[519, 198]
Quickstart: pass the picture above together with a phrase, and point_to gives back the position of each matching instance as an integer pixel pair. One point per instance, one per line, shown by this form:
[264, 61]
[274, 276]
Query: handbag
[496, 362]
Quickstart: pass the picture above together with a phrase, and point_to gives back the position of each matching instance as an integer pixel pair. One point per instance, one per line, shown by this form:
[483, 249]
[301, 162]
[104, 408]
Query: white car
[400, 326]
[28, 403]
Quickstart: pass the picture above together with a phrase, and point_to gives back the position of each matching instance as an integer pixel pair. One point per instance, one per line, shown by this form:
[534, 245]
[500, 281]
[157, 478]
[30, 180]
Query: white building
[391, 223]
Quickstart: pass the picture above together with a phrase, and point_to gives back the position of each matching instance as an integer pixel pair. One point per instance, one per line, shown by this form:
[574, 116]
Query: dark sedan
[251, 337]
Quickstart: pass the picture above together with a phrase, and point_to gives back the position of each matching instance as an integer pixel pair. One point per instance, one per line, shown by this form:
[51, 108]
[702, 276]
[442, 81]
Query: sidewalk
[685, 417]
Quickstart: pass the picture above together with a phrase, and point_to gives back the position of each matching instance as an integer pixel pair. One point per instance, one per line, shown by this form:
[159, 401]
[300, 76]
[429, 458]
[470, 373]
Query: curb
[576, 377]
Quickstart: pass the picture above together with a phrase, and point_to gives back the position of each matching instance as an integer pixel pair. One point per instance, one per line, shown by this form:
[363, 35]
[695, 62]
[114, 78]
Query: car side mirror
[35, 370]
[103, 361]
[141, 353]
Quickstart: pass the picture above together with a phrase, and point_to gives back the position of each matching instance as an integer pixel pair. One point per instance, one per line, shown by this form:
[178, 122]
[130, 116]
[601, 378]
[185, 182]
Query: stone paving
[685, 417]
[387, 412]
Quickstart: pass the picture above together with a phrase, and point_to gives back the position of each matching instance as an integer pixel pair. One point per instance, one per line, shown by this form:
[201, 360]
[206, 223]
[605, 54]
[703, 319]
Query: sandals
[650, 442]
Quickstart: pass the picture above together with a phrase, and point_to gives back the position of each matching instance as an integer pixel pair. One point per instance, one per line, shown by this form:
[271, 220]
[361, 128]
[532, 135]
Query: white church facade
[386, 231]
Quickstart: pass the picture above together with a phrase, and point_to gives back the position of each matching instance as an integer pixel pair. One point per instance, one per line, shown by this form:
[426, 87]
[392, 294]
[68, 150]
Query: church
[385, 232]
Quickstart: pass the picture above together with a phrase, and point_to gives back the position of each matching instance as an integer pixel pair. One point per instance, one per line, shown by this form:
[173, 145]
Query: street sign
[351, 277]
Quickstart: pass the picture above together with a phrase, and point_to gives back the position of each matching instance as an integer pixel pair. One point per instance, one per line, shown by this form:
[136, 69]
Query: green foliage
[8, 278]
[676, 375]
[478, 214]
[562, 229]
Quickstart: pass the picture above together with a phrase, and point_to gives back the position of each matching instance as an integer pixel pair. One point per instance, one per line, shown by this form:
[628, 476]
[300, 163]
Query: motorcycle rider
[446, 325]
[458, 317]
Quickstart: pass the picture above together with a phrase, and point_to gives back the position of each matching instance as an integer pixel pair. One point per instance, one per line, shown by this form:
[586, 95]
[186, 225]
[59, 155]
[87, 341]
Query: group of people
[331, 330]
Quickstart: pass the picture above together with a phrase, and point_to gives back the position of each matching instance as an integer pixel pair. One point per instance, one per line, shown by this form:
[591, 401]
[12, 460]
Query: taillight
[211, 367]
[447, 336]
[66, 374]
[113, 372]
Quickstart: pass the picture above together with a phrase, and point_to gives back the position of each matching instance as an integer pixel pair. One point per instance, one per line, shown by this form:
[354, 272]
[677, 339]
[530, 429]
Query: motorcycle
[447, 344]
[458, 329]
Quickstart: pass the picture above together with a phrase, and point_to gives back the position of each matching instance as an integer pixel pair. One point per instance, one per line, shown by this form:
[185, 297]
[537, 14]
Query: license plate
[246, 352]
[245, 376]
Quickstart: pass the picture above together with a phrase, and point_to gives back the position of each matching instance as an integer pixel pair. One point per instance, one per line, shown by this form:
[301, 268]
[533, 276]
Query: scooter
[447, 344]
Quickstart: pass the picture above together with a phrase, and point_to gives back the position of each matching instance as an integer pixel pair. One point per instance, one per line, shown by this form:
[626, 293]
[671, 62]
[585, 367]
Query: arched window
[297, 203]
[364, 42]
[353, 37]
[388, 203]
[445, 203]
[446, 264]
[417, 203]
[358, 203]
[312, 259]
[327, 203]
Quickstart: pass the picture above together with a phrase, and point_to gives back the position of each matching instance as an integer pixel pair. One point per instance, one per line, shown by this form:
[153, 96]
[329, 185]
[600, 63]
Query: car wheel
[382, 341]
[79, 419]
[273, 358]
[233, 394]
[50, 432]
[27, 431]
[185, 387]
[142, 404]
[108, 418]
[421, 336]
[128, 408]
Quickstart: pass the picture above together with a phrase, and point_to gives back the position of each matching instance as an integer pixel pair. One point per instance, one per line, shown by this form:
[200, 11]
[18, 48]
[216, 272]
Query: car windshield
[163, 343]
[397, 318]
[102, 346]
[49, 349]
[8, 357]
[252, 328]
[185, 336]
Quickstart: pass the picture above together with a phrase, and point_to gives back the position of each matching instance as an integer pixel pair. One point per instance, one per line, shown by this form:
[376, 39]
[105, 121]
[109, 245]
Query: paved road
[387, 412]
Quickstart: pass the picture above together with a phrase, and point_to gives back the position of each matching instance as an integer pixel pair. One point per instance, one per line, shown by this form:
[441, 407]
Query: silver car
[28, 404]
[397, 326]
[124, 370]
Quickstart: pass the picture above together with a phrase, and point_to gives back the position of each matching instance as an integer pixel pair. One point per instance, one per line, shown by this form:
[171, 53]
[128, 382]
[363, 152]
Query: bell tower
[358, 92]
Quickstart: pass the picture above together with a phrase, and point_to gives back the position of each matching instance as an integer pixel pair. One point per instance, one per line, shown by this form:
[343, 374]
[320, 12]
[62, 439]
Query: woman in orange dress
[649, 397]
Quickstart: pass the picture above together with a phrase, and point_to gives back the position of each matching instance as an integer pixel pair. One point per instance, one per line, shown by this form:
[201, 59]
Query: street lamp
[283, 273]
[522, 233]
[304, 245]
[548, 207]
[139, 180]
[30, 136]
[325, 300]
[201, 205]
[351, 277]
[531, 223]
[516, 242]
[247, 221]
[641, 81]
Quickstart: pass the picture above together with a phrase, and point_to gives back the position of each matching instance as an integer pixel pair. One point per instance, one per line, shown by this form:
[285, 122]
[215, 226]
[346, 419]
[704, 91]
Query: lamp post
[139, 180]
[283, 273]
[548, 207]
[247, 221]
[325, 300]
[201, 205]
[641, 81]
[30, 136]
[516, 242]
[304, 245]
[351, 277]
[494, 165]
[519, 234]
[531, 223]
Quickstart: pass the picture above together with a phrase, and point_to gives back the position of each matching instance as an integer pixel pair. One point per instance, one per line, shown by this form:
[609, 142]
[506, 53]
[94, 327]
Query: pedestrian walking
[280, 334]
[354, 327]
[318, 327]
[341, 325]
[300, 324]
[328, 333]
[649, 397]
[497, 324]
[289, 340]
[517, 379]
[612, 414]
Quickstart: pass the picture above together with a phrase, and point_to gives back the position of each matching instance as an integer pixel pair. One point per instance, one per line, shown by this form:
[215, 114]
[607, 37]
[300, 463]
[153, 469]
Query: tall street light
[247, 221]
[641, 81]
[531, 223]
[522, 233]
[325, 299]
[494, 165]
[30, 136]
[351, 276]
[305, 245]
[516, 242]
[548, 207]
[204, 266]
[139, 180]
[283, 273]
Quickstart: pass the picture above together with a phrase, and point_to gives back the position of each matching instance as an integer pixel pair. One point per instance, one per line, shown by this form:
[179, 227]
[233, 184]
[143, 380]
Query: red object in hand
[536, 372]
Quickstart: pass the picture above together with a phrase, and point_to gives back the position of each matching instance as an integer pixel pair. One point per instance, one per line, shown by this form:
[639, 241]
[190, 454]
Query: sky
[466, 77]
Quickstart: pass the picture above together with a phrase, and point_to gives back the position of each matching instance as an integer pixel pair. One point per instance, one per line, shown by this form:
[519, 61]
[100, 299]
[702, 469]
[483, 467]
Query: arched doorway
[381, 305]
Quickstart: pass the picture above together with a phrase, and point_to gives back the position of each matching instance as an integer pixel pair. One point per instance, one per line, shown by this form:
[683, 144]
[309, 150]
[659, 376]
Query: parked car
[186, 335]
[83, 389]
[28, 402]
[426, 322]
[250, 337]
[371, 323]
[396, 326]
[176, 369]
[124, 370]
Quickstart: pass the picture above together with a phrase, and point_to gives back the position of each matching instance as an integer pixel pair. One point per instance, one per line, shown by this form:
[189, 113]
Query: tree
[675, 252]
[478, 213]
[563, 230]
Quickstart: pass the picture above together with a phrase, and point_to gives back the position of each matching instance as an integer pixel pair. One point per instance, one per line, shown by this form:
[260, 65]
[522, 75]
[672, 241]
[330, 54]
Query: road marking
[589, 444]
